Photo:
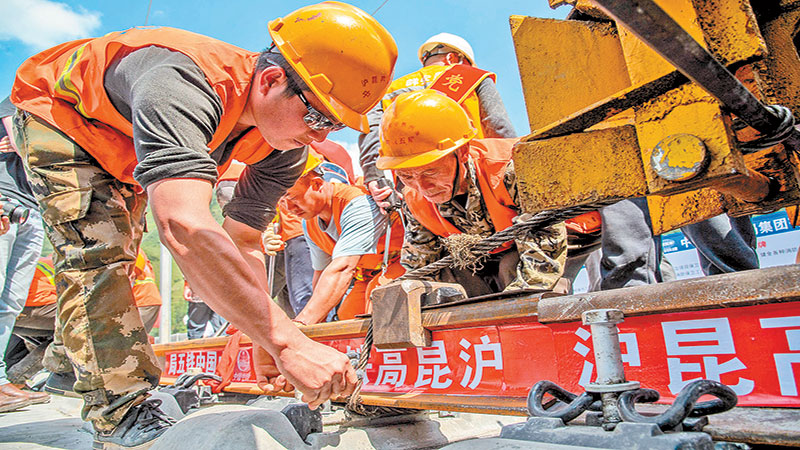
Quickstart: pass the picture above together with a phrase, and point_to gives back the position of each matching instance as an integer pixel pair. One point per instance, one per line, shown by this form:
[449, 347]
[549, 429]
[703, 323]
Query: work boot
[61, 383]
[139, 428]
[12, 398]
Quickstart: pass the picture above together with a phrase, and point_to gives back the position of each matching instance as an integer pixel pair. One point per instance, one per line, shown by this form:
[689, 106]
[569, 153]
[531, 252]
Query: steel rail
[650, 23]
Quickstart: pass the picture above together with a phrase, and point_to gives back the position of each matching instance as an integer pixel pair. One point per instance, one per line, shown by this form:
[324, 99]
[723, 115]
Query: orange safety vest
[457, 81]
[64, 86]
[145, 289]
[232, 173]
[43, 287]
[342, 195]
[491, 157]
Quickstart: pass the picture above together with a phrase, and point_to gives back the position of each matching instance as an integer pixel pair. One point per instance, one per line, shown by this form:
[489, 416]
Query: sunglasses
[315, 119]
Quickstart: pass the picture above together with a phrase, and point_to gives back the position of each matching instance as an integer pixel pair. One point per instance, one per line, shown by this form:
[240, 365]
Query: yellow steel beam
[552, 173]
[566, 66]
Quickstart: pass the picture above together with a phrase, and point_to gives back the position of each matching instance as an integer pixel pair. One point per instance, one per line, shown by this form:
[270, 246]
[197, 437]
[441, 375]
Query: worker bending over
[105, 124]
[346, 233]
[456, 184]
[448, 65]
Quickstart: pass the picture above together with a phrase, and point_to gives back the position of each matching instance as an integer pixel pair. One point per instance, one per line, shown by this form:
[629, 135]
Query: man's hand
[5, 145]
[325, 372]
[381, 193]
[268, 378]
[272, 241]
[5, 223]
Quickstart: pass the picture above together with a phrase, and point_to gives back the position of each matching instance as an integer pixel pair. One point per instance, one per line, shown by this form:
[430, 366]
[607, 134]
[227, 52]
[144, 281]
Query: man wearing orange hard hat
[448, 66]
[156, 114]
[456, 184]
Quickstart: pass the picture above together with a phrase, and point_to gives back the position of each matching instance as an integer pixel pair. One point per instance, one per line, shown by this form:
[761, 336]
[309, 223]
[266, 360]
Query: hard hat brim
[409, 162]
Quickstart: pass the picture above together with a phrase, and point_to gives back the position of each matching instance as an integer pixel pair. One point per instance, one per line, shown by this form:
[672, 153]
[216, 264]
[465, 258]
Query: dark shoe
[8, 391]
[139, 429]
[61, 384]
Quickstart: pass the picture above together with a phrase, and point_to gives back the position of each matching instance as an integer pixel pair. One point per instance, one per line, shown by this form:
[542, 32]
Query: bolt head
[600, 316]
[679, 157]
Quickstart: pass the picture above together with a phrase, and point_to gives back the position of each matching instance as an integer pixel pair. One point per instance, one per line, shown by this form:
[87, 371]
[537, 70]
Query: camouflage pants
[95, 223]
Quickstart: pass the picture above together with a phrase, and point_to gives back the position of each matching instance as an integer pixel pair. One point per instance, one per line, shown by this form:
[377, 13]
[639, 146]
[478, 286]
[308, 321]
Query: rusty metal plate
[668, 213]
[556, 83]
[578, 169]
[644, 64]
[608, 107]
[730, 30]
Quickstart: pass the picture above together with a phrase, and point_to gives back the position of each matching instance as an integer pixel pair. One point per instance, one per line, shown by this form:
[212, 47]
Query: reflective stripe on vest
[47, 270]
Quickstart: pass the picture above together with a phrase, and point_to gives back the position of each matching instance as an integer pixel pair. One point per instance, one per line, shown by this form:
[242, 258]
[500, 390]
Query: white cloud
[44, 23]
[352, 150]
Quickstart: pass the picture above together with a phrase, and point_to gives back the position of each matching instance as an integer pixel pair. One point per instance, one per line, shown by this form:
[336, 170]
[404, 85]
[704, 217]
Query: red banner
[755, 350]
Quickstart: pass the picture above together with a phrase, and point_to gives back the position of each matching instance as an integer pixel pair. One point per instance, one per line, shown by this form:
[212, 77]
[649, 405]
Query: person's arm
[329, 289]
[542, 253]
[220, 274]
[248, 240]
[315, 278]
[362, 225]
[369, 145]
[494, 118]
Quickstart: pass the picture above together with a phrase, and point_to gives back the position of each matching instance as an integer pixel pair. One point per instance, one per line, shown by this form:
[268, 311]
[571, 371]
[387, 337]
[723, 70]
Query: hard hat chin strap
[457, 179]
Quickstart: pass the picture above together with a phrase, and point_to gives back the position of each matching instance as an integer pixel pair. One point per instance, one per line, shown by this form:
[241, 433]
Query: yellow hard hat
[342, 53]
[312, 163]
[420, 127]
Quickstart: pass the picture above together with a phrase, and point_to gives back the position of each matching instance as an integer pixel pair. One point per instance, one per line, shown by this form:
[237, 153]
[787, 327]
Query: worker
[155, 114]
[297, 257]
[346, 233]
[448, 65]
[38, 318]
[33, 330]
[456, 184]
[20, 246]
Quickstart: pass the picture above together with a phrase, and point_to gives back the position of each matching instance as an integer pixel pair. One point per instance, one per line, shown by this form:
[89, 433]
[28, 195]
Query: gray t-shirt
[174, 113]
[363, 224]
[13, 181]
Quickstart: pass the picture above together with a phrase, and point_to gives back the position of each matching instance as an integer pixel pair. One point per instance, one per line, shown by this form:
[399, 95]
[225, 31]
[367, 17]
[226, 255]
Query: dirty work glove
[272, 241]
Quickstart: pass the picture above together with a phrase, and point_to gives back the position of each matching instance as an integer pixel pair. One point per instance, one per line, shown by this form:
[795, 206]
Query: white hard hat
[448, 40]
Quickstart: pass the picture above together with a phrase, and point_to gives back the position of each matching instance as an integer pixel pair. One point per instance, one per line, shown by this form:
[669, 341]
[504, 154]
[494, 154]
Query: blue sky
[27, 26]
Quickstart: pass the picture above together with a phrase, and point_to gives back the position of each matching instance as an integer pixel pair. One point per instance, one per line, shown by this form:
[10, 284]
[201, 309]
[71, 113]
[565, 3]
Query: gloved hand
[272, 241]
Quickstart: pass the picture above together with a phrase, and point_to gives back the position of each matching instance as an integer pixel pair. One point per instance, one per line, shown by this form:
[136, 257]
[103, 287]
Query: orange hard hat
[342, 53]
[420, 127]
